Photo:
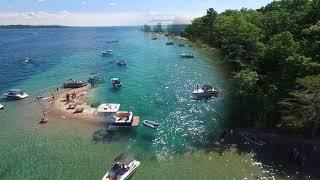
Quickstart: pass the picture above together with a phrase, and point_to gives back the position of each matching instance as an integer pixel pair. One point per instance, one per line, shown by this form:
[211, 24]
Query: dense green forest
[274, 56]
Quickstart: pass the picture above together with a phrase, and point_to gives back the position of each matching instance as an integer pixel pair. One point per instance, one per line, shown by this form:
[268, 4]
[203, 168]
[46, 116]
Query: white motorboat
[107, 52]
[16, 94]
[25, 60]
[122, 63]
[187, 55]
[108, 108]
[150, 124]
[205, 91]
[116, 82]
[125, 165]
[1, 106]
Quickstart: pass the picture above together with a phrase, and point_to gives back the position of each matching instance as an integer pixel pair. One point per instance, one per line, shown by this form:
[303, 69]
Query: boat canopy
[15, 91]
[124, 159]
[207, 87]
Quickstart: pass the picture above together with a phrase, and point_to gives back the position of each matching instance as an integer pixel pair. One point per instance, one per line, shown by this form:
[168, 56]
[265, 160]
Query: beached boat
[121, 63]
[205, 91]
[107, 52]
[187, 55]
[116, 82]
[1, 106]
[169, 43]
[125, 165]
[108, 108]
[16, 94]
[150, 124]
[74, 84]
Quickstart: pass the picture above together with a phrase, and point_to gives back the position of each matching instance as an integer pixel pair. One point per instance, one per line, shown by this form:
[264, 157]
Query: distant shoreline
[30, 26]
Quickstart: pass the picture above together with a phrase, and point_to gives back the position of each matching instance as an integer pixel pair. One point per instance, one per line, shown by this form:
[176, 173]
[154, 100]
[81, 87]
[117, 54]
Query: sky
[113, 12]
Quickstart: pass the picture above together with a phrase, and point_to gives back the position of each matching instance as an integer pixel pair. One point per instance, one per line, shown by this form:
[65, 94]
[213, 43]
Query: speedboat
[122, 63]
[95, 78]
[150, 124]
[1, 106]
[108, 108]
[169, 43]
[112, 41]
[205, 91]
[74, 84]
[125, 165]
[187, 55]
[16, 94]
[107, 52]
[116, 82]
[25, 60]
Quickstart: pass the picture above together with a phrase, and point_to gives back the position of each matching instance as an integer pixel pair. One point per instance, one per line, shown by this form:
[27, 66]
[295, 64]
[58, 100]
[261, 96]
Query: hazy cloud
[93, 19]
[112, 4]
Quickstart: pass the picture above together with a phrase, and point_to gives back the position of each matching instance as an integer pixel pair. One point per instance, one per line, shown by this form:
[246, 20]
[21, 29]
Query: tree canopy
[271, 51]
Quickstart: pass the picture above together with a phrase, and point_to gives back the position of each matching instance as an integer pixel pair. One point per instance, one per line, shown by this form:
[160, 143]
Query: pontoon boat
[74, 84]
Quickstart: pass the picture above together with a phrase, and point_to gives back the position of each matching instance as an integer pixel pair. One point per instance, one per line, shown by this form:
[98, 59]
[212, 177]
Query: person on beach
[68, 97]
[52, 96]
[57, 88]
[74, 95]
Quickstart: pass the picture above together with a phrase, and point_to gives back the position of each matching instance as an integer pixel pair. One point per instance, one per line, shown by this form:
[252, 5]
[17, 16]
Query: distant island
[30, 26]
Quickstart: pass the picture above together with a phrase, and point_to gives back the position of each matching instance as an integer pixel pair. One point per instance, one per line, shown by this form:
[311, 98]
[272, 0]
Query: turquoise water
[157, 85]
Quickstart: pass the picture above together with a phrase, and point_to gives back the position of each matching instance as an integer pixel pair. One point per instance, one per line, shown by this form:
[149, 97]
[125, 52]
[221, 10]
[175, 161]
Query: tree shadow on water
[273, 151]
[108, 136]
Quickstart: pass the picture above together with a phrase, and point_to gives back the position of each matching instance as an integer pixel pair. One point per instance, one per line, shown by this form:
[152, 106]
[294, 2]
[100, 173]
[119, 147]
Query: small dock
[135, 120]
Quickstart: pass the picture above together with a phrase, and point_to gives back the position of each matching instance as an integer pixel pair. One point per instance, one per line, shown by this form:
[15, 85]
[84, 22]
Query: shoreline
[60, 108]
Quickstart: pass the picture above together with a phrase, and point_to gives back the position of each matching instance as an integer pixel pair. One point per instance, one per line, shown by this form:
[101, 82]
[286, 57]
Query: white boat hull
[19, 96]
[1, 106]
[201, 93]
[133, 166]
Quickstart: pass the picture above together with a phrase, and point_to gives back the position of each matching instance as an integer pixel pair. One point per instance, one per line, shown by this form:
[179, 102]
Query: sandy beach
[59, 107]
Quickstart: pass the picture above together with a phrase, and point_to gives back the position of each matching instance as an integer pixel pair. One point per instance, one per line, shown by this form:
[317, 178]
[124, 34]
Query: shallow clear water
[157, 85]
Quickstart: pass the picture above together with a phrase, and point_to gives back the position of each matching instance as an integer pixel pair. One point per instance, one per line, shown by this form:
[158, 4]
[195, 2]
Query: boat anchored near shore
[16, 94]
[74, 84]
